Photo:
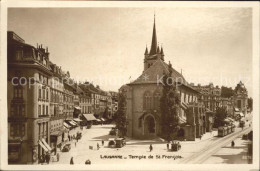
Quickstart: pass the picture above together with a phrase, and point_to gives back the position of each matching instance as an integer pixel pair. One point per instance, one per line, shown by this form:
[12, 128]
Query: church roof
[156, 71]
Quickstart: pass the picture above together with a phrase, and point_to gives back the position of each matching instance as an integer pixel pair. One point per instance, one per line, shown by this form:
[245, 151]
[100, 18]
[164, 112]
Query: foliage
[220, 116]
[226, 92]
[121, 123]
[169, 104]
[250, 104]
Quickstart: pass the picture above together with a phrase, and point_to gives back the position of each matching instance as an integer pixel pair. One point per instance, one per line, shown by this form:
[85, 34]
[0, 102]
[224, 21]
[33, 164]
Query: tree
[121, 122]
[250, 104]
[220, 116]
[227, 92]
[169, 105]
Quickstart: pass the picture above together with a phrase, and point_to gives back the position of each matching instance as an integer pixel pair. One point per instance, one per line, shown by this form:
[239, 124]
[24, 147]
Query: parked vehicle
[175, 146]
[66, 148]
[120, 142]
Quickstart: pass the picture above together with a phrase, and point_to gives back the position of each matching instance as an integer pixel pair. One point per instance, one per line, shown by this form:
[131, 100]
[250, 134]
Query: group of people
[45, 158]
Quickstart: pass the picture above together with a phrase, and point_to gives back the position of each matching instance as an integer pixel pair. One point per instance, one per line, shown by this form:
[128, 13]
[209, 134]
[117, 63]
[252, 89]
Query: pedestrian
[58, 156]
[48, 157]
[97, 146]
[43, 158]
[200, 137]
[151, 147]
[69, 137]
[75, 143]
[167, 146]
[232, 143]
[71, 160]
[102, 142]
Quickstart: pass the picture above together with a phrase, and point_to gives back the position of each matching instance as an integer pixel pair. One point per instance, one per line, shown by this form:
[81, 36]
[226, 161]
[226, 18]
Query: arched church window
[147, 100]
[156, 99]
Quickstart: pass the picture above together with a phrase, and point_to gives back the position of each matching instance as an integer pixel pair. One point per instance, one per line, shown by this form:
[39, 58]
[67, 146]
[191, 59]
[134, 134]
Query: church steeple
[146, 51]
[153, 49]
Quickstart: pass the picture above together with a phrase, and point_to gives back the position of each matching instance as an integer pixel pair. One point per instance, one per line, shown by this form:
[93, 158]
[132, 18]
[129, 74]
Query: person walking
[102, 142]
[97, 146]
[58, 156]
[151, 147]
[232, 144]
[167, 146]
[71, 160]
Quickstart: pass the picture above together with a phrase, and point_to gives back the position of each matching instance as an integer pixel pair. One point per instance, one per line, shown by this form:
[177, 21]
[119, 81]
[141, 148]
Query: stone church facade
[143, 99]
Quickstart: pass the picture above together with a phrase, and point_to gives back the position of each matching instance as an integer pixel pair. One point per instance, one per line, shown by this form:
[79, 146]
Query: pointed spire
[158, 49]
[146, 51]
[162, 53]
[154, 40]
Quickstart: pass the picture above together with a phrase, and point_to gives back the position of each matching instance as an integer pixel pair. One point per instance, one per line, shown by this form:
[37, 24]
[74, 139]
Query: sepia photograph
[124, 86]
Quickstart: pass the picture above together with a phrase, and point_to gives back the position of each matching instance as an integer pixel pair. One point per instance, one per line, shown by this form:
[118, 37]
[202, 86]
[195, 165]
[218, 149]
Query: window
[47, 110]
[47, 94]
[147, 100]
[39, 93]
[39, 110]
[17, 109]
[156, 99]
[43, 109]
[43, 93]
[18, 92]
[17, 129]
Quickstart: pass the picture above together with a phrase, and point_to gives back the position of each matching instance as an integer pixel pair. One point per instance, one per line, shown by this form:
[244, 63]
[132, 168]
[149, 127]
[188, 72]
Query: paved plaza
[137, 151]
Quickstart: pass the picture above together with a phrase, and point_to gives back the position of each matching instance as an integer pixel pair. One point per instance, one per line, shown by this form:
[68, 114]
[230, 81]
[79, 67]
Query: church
[143, 99]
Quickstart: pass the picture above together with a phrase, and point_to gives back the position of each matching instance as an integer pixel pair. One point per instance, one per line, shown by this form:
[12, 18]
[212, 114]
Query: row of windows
[17, 129]
[84, 100]
[43, 94]
[151, 101]
[17, 109]
[85, 109]
[43, 110]
[18, 92]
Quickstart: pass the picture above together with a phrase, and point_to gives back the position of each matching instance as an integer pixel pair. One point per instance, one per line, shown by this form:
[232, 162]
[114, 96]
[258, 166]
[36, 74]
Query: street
[207, 150]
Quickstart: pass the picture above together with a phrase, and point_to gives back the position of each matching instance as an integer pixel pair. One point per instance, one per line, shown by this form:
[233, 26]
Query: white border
[81, 4]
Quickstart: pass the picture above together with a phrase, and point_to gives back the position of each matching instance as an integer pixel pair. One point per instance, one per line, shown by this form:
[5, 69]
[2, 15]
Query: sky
[106, 45]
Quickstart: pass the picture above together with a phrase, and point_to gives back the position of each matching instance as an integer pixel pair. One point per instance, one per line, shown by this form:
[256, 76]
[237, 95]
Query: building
[57, 111]
[228, 104]
[28, 100]
[114, 96]
[209, 95]
[143, 98]
[240, 98]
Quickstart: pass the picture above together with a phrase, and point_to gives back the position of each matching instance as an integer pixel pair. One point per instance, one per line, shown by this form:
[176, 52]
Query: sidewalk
[231, 155]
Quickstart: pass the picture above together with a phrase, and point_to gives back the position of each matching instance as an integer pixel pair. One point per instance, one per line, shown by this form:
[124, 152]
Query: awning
[89, 117]
[77, 107]
[236, 110]
[77, 119]
[46, 144]
[101, 119]
[73, 123]
[66, 125]
[41, 144]
[184, 105]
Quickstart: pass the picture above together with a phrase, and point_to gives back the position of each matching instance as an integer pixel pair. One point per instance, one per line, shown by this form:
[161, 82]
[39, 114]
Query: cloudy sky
[104, 44]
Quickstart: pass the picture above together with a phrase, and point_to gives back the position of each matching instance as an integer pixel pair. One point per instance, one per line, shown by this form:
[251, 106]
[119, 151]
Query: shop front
[14, 151]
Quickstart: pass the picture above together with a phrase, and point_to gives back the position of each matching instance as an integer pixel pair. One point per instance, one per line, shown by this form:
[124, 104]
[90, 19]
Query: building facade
[241, 98]
[209, 95]
[143, 98]
[28, 101]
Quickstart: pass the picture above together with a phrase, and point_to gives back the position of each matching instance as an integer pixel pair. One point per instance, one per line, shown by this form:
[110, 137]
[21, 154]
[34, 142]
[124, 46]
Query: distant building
[209, 95]
[241, 98]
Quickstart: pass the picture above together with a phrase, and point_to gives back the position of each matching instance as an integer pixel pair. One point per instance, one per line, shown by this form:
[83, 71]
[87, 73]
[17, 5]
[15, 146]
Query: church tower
[155, 51]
